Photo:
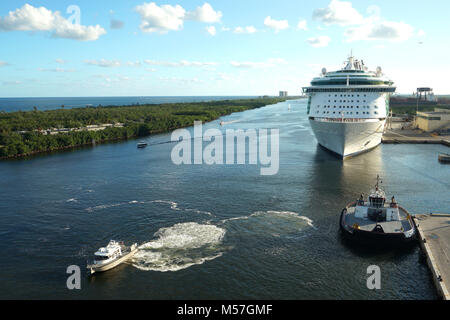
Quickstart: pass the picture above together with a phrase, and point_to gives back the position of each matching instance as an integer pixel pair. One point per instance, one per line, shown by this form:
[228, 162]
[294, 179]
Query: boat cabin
[111, 251]
[376, 208]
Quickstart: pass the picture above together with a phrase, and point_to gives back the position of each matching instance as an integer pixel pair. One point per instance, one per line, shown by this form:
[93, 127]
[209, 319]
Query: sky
[59, 48]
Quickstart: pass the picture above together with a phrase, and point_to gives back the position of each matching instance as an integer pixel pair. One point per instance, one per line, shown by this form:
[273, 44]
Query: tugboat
[111, 256]
[376, 222]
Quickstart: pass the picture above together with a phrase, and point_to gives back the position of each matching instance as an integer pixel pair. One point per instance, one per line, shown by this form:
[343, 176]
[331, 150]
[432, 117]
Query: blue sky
[160, 48]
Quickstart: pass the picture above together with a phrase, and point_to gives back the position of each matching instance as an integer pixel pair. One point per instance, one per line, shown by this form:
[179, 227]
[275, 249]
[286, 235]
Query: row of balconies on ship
[346, 110]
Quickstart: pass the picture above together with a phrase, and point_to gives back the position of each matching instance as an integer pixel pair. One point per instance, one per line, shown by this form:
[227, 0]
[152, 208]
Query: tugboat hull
[375, 238]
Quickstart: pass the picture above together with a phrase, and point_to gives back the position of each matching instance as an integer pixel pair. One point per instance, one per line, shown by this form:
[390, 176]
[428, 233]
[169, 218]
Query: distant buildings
[283, 93]
[436, 121]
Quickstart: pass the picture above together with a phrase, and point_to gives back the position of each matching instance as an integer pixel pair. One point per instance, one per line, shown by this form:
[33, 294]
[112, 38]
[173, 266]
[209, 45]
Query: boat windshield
[101, 258]
[376, 202]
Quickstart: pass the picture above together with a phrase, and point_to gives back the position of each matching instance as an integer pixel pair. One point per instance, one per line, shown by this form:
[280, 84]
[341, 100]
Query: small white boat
[142, 145]
[111, 256]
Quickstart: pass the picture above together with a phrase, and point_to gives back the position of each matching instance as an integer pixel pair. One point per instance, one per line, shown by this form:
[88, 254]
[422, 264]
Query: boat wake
[276, 223]
[179, 247]
[229, 122]
[173, 206]
[112, 205]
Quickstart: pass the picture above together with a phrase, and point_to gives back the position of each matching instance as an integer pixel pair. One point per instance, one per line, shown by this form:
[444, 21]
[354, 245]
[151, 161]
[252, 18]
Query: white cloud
[277, 25]
[194, 80]
[160, 19]
[165, 18]
[302, 25]
[60, 61]
[224, 77]
[372, 27]
[338, 12]
[211, 30]
[248, 29]
[421, 33]
[317, 42]
[29, 18]
[59, 70]
[182, 63]
[383, 30]
[205, 13]
[271, 63]
[374, 12]
[4, 64]
[112, 78]
[103, 63]
[134, 63]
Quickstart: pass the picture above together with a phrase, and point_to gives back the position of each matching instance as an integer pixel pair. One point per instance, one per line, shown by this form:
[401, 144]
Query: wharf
[414, 137]
[434, 237]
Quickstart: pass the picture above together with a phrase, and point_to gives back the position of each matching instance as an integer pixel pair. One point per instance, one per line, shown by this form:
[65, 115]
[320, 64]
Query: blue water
[212, 232]
[27, 104]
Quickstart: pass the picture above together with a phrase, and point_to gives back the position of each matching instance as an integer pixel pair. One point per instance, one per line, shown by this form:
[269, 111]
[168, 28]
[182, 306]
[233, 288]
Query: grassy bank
[23, 133]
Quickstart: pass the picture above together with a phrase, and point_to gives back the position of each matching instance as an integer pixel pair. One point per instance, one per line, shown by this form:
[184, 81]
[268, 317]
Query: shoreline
[207, 112]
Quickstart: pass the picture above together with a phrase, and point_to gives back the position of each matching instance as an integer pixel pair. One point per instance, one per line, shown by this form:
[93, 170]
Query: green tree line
[20, 131]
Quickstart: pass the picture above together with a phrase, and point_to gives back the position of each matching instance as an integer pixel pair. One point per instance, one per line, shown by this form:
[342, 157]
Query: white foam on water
[200, 212]
[72, 200]
[291, 214]
[112, 205]
[173, 205]
[277, 218]
[104, 206]
[234, 219]
[179, 247]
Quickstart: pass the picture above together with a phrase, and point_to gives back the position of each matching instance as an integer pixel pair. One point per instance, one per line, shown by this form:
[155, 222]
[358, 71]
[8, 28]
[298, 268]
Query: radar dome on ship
[379, 71]
[324, 71]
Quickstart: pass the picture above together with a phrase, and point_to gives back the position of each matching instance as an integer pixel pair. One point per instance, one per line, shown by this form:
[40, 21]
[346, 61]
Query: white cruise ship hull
[348, 139]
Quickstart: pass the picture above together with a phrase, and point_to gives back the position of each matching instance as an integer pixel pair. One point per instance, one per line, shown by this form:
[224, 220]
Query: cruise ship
[347, 109]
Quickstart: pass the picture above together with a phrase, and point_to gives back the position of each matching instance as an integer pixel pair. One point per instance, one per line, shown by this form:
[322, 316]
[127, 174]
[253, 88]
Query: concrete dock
[434, 236]
[415, 137]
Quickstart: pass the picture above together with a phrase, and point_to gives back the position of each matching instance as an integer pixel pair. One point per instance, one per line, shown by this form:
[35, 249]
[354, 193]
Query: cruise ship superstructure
[347, 109]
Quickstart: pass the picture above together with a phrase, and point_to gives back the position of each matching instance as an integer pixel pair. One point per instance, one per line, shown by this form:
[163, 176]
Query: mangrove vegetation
[26, 133]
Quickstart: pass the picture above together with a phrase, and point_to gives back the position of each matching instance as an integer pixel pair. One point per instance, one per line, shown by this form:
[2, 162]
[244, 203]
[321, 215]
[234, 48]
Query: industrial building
[283, 93]
[436, 121]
